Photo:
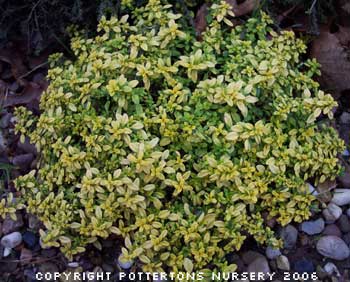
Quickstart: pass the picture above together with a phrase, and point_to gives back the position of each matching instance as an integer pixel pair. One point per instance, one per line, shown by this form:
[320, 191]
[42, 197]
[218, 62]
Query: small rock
[348, 212]
[313, 227]
[73, 264]
[333, 247]
[9, 225]
[332, 229]
[3, 143]
[344, 223]
[23, 161]
[331, 269]
[341, 197]
[11, 240]
[30, 274]
[26, 255]
[304, 265]
[345, 118]
[272, 253]
[124, 265]
[346, 238]
[346, 153]
[30, 239]
[7, 252]
[27, 147]
[5, 120]
[289, 235]
[259, 265]
[332, 213]
[250, 256]
[283, 263]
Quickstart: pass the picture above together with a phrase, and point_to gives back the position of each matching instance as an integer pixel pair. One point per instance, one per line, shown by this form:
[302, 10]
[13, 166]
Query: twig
[33, 69]
[32, 10]
[39, 260]
[312, 7]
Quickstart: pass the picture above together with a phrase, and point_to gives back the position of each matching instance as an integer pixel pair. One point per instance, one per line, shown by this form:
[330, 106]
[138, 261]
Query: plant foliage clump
[179, 146]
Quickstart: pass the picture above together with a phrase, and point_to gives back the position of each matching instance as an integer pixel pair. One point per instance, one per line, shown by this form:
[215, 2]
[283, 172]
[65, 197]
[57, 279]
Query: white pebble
[341, 197]
[346, 153]
[73, 264]
[124, 265]
[330, 268]
[7, 252]
[11, 240]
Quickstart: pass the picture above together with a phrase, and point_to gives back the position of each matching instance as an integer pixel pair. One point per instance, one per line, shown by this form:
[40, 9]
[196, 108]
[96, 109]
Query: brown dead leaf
[238, 9]
[332, 51]
[200, 22]
[15, 59]
[244, 8]
[32, 91]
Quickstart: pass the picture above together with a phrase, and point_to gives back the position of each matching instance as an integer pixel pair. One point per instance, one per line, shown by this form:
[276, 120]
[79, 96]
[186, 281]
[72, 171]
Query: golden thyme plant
[177, 145]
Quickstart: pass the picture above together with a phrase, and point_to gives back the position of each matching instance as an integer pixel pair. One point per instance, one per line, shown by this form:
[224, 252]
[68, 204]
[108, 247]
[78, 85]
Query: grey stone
[346, 153]
[11, 240]
[5, 120]
[250, 256]
[259, 265]
[341, 197]
[332, 229]
[346, 238]
[333, 247]
[313, 227]
[27, 147]
[23, 161]
[272, 253]
[344, 223]
[126, 264]
[331, 269]
[332, 213]
[345, 118]
[283, 263]
[289, 235]
[73, 264]
[304, 265]
[7, 252]
[3, 143]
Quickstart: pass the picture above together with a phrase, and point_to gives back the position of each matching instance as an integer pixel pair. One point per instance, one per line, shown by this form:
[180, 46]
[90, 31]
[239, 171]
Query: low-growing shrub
[179, 146]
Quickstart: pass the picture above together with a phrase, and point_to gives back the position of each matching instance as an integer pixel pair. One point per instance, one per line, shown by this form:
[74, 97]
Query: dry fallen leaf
[15, 59]
[238, 9]
[32, 91]
[332, 51]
